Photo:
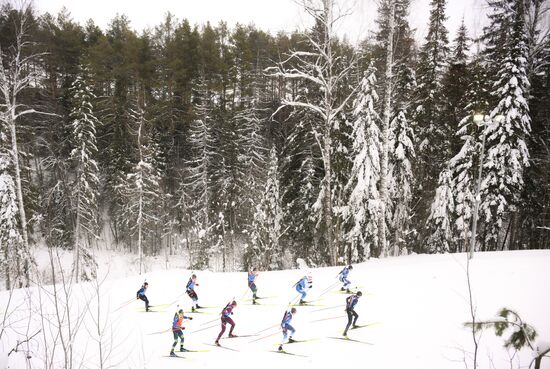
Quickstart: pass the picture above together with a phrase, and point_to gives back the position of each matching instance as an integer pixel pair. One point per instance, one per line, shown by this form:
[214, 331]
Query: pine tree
[362, 209]
[507, 152]
[82, 123]
[463, 164]
[433, 133]
[142, 186]
[265, 249]
[455, 87]
[200, 168]
[10, 237]
[440, 221]
[402, 151]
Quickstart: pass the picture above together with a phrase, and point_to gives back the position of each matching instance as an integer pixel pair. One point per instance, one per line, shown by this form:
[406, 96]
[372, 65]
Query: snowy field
[416, 306]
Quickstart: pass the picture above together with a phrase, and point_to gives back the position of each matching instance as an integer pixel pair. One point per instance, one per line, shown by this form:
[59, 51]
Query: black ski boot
[280, 347]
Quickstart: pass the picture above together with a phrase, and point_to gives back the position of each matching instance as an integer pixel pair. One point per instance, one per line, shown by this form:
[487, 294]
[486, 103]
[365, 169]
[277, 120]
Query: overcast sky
[272, 15]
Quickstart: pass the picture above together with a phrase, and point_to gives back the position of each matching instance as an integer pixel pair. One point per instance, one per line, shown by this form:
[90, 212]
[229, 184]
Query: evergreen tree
[507, 152]
[199, 184]
[82, 123]
[364, 198]
[265, 249]
[440, 222]
[433, 133]
[141, 187]
[10, 236]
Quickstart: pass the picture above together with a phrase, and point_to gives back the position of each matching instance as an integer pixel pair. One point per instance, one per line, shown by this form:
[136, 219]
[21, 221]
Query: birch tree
[384, 133]
[318, 68]
[17, 75]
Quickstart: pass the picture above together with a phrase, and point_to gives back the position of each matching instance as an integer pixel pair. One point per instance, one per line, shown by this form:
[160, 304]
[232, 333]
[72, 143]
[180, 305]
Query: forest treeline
[238, 147]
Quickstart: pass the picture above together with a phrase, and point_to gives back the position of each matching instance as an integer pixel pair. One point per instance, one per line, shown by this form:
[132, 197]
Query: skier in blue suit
[302, 285]
[286, 327]
[343, 277]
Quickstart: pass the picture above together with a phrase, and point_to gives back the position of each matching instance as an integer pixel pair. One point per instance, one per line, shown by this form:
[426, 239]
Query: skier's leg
[223, 330]
[232, 323]
[356, 316]
[292, 330]
[175, 340]
[349, 322]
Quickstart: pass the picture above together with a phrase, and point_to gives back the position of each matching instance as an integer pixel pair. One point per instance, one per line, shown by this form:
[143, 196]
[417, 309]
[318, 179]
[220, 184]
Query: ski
[364, 325]
[223, 347]
[151, 311]
[243, 335]
[308, 304]
[174, 356]
[301, 341]
[197, 351]
[351, 340]
[261, 298]
[288, 353]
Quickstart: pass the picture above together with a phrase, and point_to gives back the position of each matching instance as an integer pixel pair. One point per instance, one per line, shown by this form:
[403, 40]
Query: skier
[190, 289]
[343, 277]
[140, 295]
[302, 285]
[252, 274]
[226, 318]
[351, 301]
[177, 330]
[285, 325]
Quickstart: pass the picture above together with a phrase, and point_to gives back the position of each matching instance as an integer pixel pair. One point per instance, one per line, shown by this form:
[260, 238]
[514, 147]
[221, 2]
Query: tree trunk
[385, 133]
[20, 202]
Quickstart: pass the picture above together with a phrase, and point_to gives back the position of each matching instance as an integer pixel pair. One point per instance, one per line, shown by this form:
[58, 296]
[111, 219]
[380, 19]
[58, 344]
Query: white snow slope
[417, 306]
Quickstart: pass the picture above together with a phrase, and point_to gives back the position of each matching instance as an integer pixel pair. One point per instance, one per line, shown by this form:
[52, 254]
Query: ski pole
[210, 321]
[261, 338]
[203, 329]
[321, 320]
[263, 330]
[329, 288]
[123, 305]
[328, 308]
[164, 331]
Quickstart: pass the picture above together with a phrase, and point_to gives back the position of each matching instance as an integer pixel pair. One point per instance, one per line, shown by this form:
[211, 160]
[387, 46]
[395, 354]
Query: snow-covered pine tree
[250, 124]
[300, 178]
[142, 186]
[401, 176]
[362, 210]
[85, 189]
[455, 87]
[496, 34]
[10, 237]
[433, 61]
[507, 152]
[440, 222]
[433, 134]
[463, 163]
[403, 80]
[198, 183]
[265, 249]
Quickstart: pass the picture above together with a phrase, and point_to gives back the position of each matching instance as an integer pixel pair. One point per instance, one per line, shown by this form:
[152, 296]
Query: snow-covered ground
[417, 306]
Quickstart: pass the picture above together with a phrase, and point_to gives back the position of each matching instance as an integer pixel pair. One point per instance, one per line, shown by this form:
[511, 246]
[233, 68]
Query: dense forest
[237, 147]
